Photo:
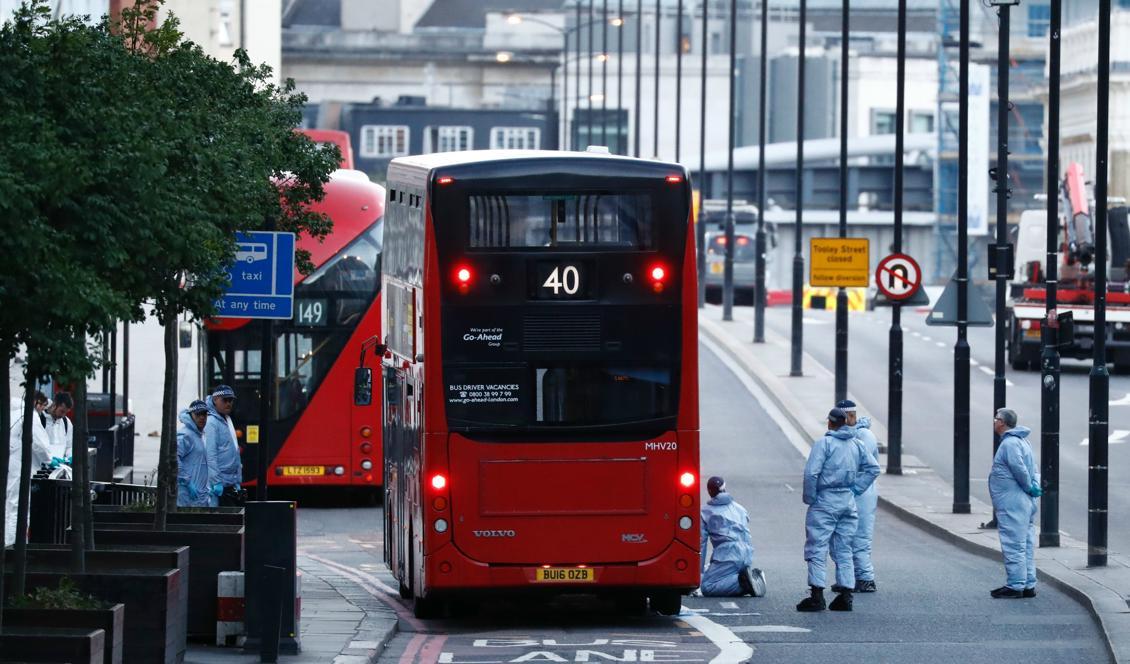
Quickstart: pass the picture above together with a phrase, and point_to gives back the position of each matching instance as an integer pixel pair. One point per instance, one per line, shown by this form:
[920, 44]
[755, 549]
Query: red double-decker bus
[315, 436]
[540, 377]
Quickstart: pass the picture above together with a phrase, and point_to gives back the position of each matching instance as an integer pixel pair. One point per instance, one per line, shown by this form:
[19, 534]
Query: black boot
[814, 602]
[842, 602]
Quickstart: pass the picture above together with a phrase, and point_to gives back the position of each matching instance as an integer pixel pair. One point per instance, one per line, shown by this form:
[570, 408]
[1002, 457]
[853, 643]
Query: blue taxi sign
[262, 277]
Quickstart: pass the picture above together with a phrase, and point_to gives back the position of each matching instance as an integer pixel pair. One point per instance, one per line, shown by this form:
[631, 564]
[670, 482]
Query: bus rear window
[560, 221]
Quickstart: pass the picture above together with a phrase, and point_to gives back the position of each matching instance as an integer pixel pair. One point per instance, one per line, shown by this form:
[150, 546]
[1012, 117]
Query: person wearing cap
[725, 526]
[1014, 486]
[225, 468]
[192, 460]
[865, 503]
[838, 469]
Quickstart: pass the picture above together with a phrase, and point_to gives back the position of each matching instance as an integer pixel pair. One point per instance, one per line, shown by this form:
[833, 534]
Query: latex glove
[217, 490]
[67, 461]
[1035, 491]
[192, 492]
[55, 462]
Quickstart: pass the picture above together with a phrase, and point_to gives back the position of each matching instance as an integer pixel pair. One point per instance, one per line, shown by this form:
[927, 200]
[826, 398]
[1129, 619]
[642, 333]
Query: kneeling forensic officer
[725, 525]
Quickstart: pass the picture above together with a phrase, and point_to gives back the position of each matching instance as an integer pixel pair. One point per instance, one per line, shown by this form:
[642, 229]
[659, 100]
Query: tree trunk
[167, 466]
[6, 428]
[78, 484]
[19, 587]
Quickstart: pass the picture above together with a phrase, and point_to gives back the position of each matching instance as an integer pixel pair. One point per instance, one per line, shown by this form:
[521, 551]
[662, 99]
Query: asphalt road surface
[933, 604]
[928, 404]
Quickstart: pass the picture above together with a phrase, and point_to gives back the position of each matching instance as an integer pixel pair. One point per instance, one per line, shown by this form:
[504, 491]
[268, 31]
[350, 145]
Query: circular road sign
[898, 276]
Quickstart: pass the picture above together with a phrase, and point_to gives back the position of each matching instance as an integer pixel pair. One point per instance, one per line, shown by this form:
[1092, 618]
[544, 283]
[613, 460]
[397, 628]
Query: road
[928, 403]
[930, 607]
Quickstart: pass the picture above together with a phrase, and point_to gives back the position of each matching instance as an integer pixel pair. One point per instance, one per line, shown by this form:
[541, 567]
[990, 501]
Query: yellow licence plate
[303, 471]
[564, 575]
[716, 268]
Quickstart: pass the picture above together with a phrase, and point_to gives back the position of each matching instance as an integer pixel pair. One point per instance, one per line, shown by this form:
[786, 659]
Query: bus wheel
[667, 603]
[427, 607]
[631, 604]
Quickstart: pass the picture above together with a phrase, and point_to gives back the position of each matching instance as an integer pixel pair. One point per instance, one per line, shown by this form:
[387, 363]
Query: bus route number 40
[564, 278]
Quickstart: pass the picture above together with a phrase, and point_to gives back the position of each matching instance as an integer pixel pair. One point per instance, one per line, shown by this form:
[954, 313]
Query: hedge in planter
[66, 608]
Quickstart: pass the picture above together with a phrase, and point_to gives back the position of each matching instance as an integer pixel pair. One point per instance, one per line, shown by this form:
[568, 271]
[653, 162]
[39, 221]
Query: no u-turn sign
[898, 276]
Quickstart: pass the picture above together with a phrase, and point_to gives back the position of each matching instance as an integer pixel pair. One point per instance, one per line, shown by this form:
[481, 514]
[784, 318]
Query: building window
[384, 141]
[921, 122]
[1039, 18]
[882, 122]
[515, 138]
[448, 139]
[225, 27]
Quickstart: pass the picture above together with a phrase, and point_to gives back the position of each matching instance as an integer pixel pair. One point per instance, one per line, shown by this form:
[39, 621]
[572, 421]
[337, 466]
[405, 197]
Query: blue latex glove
[1035, 491]
[217, 490]
[55, 462]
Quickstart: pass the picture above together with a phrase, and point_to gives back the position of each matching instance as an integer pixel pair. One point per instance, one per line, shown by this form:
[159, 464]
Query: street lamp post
[894, 345]
[678, 76]
[639, 72]
[589, 125]
[961, 346]
[1001, 247]
[841, 296]
[655, 126]
[1098, 450]
[700, 227]
[620, 149]
[797, 345]
[728, 273]
[759, 238]
[604, 76]
[1049, 356]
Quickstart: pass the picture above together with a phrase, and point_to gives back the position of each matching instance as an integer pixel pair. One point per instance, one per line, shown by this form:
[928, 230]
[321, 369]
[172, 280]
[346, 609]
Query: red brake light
[438, 481]
[658, 273]
[674, 179]
[720, 240]
[447, 179]
[743, 240]
[463, 275]
[687, 479]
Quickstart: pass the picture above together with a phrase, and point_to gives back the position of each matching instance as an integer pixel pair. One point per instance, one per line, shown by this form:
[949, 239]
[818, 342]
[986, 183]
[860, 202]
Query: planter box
[110, 558]
[154, 607]
[109, 620]
[230, 516]
[213, 549]
[35, 644]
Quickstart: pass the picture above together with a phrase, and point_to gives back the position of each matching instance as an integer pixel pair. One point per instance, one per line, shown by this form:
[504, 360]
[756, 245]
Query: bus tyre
[667, 603]
[631, 604]
[425, 608]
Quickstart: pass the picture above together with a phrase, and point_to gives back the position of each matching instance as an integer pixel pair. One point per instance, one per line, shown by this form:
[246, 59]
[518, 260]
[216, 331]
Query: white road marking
[815, 321]
[778, 629]
[927, 339]
[1116, 437]
[731, 647]
[974, 363]
[729, 605]
[1124, 401]
[939, 344]
[790, 488]
[987, 371]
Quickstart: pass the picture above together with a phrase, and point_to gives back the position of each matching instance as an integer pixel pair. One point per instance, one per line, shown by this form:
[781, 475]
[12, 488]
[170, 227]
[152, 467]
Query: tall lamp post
[678, 77]
[700, 227]
[728, 274]
[797, 344]
[1049, 356]
[961, 346]
[894, 344]
[759, 238]
[841, 296]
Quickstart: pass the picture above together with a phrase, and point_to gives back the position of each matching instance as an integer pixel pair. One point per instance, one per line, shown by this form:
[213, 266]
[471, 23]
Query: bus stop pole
[266, 378]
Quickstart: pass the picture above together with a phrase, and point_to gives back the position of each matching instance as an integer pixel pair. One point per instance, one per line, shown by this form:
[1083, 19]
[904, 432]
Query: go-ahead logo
[493, 533]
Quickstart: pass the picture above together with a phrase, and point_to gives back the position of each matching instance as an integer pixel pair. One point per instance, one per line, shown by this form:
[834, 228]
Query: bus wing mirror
[362, 386]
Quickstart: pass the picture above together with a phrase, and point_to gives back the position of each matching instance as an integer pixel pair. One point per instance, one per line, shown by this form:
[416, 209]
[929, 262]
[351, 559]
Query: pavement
[919, 496]
[343, 621]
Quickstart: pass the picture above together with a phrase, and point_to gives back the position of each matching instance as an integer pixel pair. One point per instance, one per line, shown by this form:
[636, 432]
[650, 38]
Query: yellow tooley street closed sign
[839, 262]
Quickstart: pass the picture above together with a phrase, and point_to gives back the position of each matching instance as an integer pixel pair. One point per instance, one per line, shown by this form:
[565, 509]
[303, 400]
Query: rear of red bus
[558, 376]
[317, 437]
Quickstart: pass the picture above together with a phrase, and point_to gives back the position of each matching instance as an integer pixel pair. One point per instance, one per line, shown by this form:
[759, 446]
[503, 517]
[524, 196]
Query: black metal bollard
[271, 611]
